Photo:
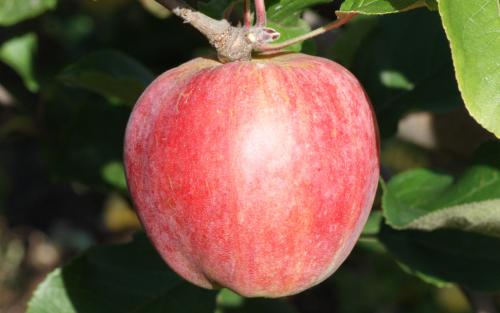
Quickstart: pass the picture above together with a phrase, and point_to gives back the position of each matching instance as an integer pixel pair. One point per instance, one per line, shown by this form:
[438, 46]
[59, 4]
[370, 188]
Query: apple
[257, 176]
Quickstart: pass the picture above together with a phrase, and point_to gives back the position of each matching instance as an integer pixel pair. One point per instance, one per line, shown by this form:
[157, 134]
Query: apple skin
[256, 176]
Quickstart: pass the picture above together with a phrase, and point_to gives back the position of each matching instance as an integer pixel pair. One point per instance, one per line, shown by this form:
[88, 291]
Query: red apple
[257, 176]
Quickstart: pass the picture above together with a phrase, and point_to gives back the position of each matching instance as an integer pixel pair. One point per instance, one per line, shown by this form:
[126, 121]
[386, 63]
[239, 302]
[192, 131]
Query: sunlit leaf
[18, 53]
[14, 11]
[423, 200]
[473, 30]
[382, 6]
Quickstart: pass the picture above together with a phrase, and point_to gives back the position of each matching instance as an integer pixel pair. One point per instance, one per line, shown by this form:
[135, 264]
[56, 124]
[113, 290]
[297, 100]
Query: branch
[247, 14]
[260, 10]
[238, 43]
[230, 42]
[206, 25]
[172, 5]
[321, 30]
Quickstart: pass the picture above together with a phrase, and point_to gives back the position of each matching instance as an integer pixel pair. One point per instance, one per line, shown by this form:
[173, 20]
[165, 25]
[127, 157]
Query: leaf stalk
[238, 43]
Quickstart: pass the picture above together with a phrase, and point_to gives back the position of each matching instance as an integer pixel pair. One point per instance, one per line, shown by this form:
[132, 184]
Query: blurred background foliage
[69, 78]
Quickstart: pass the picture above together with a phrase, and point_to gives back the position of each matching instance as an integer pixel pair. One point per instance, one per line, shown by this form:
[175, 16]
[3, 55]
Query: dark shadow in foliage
[110, 73]
[458, 134]
[84, 134]
[34, 198]
[323, 298]
[131, 278]
[260, 305]
[405, 64]
[469, 259]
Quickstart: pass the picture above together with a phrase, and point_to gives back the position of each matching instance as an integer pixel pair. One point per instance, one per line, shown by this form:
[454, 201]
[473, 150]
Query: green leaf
[424, 200]
[291, 31]
[350, 39]
[473, 30]
[85, 136]
[230, 302]
[14, 11]
[18, 53]
[449, 228]
[110, 74]
[372, 226]
[125, 278]
[446, 255]
[286, 12]
[285, 17]
[214, 8]
[411, 69]
[384, 286]
[431, 5]
[382, 6]
[114, 174]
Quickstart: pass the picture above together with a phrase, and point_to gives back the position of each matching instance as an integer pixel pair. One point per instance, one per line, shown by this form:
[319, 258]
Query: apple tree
[430, 67]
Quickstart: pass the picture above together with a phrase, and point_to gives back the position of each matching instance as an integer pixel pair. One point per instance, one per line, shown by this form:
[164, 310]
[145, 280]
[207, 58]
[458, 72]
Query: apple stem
[271, 48]
[247, 14]
[238, 43]
[206, 25]
[260, 10]
[230, 42]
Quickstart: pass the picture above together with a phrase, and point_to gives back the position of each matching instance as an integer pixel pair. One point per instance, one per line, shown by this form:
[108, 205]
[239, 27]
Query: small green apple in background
[256, 175]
